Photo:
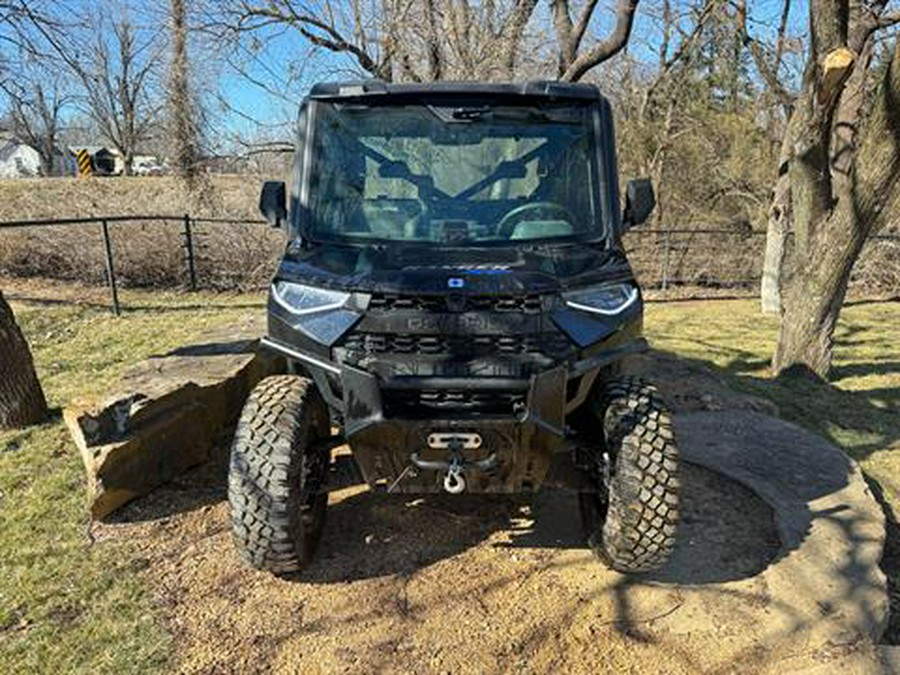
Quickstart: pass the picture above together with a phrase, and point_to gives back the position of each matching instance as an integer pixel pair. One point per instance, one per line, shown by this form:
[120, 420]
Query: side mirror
[273, 202]
[639, 202]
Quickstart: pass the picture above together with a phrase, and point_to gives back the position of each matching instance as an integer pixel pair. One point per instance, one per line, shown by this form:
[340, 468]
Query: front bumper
[522, 447]
[524, 443]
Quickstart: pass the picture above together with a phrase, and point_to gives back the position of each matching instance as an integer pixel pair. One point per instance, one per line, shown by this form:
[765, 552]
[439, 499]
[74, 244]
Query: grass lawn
[69, 606]
[858, 410]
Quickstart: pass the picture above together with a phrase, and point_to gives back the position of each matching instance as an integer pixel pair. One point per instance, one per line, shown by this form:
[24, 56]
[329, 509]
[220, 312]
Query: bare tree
[36, 100]
[476, 41]
[842, 161]
[181, 106]
[411, 40]
[336, 27]
[120, 83]
[22, 400]
[769, 60]
[24, 27]
[657, 107]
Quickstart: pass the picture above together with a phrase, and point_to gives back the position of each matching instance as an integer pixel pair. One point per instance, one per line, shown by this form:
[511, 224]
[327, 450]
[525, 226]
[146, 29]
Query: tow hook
[454, 481]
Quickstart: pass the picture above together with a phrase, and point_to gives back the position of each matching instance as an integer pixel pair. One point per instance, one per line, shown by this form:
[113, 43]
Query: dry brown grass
[243, 256]
[229, 255]
[229, 196]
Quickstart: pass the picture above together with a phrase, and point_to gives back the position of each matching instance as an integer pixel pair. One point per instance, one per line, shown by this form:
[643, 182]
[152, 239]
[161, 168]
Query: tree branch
[687, 42]
[877, 164]
[607, 48]
[328, 36]
[888, 20]
[584, 20]
[769, 72]
[512, 31]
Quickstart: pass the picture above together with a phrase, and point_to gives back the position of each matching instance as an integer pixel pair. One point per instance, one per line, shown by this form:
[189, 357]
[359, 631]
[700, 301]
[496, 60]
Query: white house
[18, 160]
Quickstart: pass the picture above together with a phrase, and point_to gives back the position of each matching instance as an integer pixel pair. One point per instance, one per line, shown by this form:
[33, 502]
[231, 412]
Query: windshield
[453, 174]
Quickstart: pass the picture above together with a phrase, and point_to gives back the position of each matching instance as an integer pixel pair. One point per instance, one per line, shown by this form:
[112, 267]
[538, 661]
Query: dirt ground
[478, 584]
[472, 583]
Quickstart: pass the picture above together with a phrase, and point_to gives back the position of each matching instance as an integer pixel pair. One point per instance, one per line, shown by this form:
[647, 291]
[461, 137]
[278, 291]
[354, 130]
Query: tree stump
[22, 400]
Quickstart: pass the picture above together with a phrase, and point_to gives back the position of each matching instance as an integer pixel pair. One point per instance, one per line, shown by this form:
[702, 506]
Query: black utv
[453, 303]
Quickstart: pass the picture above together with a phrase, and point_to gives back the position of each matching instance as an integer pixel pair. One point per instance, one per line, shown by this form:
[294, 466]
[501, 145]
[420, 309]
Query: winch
[457, 464]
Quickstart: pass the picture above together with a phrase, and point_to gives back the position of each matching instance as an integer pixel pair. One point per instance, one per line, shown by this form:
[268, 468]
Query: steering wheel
[508, 222]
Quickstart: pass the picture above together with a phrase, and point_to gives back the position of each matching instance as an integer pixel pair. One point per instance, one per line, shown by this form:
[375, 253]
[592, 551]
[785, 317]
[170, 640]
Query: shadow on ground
[727, 532]
[864, 423]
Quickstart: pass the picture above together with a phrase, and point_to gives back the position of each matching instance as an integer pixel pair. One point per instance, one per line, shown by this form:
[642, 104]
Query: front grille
[552, 345]
[417, 403]
[524, 304]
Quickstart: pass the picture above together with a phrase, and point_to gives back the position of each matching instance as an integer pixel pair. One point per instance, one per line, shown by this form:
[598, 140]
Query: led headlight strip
[608, 300]
[300, 300]
[319, 313]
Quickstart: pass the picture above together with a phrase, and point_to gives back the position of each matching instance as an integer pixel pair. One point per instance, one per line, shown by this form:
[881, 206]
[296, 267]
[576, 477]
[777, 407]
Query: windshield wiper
[515, 114]
[472, 113]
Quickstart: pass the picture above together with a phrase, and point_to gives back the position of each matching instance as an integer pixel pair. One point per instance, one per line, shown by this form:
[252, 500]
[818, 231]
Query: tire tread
[274, 481]
[640, 528]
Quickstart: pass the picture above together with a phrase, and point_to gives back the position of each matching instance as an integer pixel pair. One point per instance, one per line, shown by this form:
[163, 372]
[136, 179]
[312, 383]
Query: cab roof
[546, 89]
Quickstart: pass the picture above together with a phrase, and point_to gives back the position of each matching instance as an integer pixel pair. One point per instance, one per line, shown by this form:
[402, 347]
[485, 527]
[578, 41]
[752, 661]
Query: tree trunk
[46, 165]
[21, 398]
[814, 296]
[128, 163]
[184, 130]
[844, 179]
[776, 237]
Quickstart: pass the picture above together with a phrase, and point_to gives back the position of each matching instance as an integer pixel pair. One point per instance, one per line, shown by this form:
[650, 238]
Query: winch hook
[454, 481]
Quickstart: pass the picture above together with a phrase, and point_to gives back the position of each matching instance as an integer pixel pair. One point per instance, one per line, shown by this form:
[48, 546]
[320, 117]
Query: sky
[252, 89]
[280, 47]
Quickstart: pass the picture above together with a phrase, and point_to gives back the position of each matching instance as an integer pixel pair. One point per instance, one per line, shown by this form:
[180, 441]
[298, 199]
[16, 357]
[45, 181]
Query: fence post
[110, 268]
[666, 249]
[189, 251]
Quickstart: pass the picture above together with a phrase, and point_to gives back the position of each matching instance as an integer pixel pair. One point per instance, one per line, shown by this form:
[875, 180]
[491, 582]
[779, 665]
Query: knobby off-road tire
[276, 480]
[632, 524]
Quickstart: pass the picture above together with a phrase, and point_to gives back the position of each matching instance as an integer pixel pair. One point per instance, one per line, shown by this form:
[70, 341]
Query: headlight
[317, 312]
[299, 299]
[608, 300]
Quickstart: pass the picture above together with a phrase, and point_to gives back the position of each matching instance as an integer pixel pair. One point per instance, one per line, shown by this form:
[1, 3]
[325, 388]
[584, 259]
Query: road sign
[83, 157]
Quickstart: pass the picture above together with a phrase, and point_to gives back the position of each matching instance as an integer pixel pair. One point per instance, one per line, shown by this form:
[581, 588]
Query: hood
[438, 269]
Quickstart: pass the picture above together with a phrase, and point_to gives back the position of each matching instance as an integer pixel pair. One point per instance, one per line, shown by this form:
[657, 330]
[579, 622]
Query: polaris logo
[455, 282]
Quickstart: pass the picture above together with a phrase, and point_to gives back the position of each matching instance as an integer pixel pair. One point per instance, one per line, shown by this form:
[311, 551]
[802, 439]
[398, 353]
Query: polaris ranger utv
[454, 298]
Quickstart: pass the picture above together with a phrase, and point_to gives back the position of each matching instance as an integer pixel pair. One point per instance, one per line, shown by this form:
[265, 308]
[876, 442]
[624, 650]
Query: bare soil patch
[438, 584]
[473, 583]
